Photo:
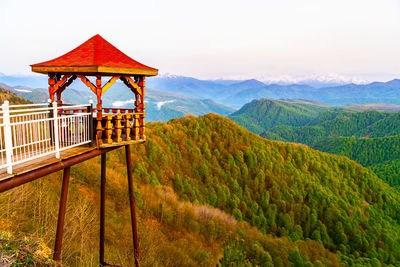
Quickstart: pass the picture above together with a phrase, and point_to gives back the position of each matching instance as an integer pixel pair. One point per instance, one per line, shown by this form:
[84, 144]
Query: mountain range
[238, 93]
[235, 93]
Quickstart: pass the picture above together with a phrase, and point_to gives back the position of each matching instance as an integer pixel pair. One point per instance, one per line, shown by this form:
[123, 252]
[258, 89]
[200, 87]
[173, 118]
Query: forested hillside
[379, 154]
[357, 135]
[310, 123]
[263, 114]
[189, 167]
[339, 123]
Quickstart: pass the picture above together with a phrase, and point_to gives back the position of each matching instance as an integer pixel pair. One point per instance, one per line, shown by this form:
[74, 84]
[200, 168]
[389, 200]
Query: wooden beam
[66, 84]
[88, 83]
[60, 83]
[33, 174]
[131, 84]
[109, 84]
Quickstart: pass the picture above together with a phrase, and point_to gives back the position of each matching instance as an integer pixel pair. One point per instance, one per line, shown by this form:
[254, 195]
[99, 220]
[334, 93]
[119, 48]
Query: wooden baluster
[141, 129]
[109, 129]
[118, 127]
[128, 126]
[136, 127]
[99, 132]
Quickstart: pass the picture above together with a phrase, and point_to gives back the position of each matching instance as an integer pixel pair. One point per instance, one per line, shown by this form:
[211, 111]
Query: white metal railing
[35, 130]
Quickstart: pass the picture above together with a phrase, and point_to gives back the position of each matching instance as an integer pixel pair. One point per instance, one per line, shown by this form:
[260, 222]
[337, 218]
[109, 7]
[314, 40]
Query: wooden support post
[102, 206]
[99, 116]
[142, 107]
[132, 204]
[59, 101]
[52, 82]
[61, 216]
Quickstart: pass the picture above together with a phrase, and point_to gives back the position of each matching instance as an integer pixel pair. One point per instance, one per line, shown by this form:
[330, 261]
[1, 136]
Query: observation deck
[36, 135]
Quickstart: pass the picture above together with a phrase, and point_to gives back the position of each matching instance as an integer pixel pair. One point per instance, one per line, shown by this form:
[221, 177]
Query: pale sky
[355, 39]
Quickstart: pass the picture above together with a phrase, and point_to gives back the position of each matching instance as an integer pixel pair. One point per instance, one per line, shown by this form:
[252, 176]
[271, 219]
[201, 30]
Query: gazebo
[98, 58]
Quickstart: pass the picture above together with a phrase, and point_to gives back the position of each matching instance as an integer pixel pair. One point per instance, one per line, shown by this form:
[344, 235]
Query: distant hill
[336, 124]
[374, 106]
[304, 101]
[310, 122]
[263, 114]
[11, 97]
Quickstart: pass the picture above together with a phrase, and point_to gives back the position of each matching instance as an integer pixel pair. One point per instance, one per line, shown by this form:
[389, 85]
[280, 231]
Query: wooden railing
[120, 125]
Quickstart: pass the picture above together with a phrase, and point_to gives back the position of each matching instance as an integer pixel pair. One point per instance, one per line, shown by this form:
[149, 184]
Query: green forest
[369, 137]
[261, 115]
[205, 177]
[379, 154]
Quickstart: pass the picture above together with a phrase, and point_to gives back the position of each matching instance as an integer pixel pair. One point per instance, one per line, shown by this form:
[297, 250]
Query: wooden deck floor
[44, 161]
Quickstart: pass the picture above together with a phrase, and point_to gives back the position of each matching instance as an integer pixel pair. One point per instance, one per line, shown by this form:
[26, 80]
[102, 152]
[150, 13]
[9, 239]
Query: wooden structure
[38, 139]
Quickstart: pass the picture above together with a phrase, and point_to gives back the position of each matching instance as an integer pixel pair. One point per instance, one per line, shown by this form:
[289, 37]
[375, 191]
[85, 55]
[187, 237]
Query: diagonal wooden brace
[88, 83]
[132, 85]
[109, 84]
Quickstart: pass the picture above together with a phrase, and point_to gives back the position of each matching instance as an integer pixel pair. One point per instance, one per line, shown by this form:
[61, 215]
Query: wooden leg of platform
[61, 216]
[132, 204]
[102, 206]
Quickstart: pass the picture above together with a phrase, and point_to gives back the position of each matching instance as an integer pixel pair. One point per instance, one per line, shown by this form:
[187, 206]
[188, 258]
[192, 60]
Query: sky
[357, 40]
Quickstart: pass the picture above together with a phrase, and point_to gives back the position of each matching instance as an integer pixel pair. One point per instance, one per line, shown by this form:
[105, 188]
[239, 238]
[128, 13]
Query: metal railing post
[7, 136]
[56, 140]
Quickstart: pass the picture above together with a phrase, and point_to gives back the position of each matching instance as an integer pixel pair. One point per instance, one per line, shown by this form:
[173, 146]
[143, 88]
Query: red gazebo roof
[95, 56]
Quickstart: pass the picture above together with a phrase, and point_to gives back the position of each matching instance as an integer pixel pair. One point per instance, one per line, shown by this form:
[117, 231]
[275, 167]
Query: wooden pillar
[142, 107]
[102, 206]
[58, 93]
[99, 108]
[136, 119]
[52, 82]
[61, 215]
[132, 204]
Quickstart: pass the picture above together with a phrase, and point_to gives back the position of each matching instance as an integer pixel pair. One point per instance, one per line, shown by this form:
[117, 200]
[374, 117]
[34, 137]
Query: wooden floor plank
[43, 161]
